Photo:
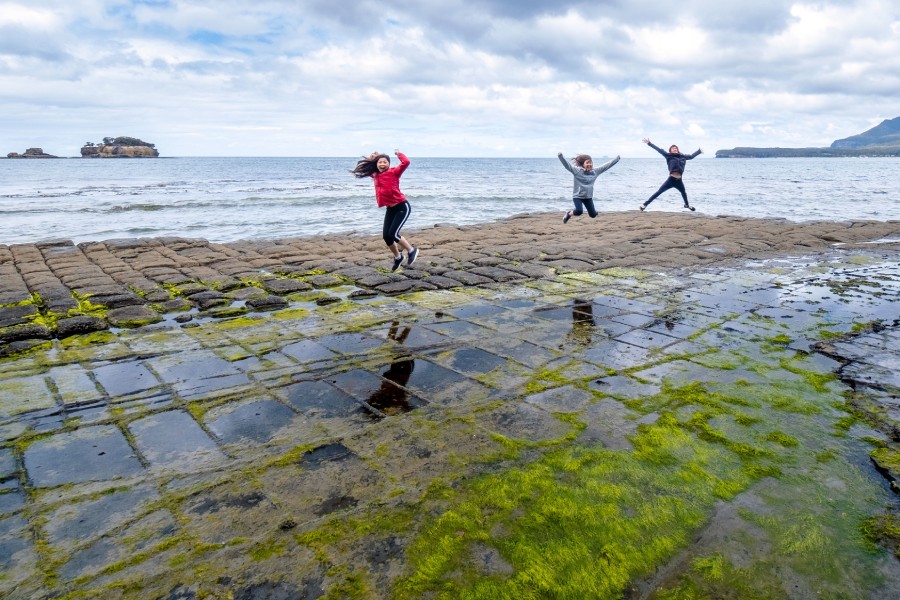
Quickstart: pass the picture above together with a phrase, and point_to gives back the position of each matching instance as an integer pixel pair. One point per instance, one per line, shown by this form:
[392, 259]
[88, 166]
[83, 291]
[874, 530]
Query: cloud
[448, 77]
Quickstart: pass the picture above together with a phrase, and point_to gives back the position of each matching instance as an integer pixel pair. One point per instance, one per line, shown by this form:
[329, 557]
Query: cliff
[881, 140]
[31, 153]
[886, 133]
[120, 147]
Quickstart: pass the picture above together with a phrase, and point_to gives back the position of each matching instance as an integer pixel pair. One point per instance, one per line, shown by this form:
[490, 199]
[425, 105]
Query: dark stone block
[78, 325]
[285, 286]
[267, 303]
[17, 315]
[88, 454]
[24, 332]
[132, 316]
[325, 281]
[442, 283]
[116, 300]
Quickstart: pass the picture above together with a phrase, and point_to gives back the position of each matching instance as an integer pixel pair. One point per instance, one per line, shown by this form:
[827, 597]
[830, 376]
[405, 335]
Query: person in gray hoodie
[582, 168]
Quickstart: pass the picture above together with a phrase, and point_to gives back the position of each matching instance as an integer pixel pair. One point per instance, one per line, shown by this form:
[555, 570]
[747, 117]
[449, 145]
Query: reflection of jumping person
[397, 334]
[388, 195]
[582, 167]
[582, 322]
[389, 398]
[676, 162]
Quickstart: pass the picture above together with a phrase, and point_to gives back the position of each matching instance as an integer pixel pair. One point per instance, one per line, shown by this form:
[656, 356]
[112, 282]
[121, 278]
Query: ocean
[227, 199]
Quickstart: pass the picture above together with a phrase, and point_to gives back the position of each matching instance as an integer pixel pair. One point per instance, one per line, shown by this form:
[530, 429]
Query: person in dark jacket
[676, 162]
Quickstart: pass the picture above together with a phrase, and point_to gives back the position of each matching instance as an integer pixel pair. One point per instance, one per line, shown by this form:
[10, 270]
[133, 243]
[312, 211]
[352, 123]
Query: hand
[396, 151]
[559, 153]
[699, 150]
[646, 141]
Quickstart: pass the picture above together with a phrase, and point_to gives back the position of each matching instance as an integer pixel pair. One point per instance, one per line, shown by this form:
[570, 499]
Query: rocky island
[31, 153]
[120, 147]
[881, 140]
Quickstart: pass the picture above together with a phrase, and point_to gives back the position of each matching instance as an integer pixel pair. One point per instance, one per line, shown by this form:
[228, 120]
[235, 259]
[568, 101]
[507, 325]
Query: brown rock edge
[131, 282]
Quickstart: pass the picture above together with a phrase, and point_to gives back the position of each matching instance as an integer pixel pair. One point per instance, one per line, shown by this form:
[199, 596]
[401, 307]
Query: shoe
[642, 207]
[413, 254]
[567, 217]
[690, 207]
[397, 261]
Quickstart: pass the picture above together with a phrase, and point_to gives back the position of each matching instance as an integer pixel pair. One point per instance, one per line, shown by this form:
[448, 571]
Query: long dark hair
[367, 165]
[579, 160]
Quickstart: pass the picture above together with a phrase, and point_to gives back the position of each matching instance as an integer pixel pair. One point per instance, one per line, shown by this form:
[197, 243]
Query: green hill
[887, 133]
[881, 140]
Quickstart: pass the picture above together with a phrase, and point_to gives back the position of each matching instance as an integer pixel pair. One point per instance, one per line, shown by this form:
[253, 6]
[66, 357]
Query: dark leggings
[394, 218]
[580, 203]
[670, 183]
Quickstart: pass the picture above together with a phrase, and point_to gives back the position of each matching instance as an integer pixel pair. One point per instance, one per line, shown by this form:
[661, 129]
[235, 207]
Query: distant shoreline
[885, 152]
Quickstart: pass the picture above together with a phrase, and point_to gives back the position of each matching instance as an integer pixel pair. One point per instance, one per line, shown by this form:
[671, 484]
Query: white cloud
[454, 77]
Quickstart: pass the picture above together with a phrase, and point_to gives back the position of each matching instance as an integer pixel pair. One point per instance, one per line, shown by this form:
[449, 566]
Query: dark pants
[670, 183]
[394, 218]
[581, 203]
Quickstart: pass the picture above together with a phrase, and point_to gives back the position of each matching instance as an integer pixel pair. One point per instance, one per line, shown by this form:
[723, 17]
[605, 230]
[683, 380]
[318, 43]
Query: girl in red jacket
[388, 194]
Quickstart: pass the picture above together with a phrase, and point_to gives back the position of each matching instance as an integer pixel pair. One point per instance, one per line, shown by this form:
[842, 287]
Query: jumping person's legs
[679, 185]
[667, 184]
[394, 219]
[579, 207]
[589, 205]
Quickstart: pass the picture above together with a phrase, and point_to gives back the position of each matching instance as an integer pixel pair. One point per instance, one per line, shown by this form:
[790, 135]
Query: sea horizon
[223, 199]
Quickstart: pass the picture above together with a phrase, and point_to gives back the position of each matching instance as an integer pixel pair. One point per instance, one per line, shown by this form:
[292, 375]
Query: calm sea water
[226, 199]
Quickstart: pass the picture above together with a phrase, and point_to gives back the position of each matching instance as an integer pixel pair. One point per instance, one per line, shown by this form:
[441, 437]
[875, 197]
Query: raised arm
[565, 163]
[606, 166]
[404, 162]
[654, 146]
[695, 154]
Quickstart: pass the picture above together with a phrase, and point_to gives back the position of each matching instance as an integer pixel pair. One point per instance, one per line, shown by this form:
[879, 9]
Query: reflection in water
[389, 398]
[397, 334]
[582, 322]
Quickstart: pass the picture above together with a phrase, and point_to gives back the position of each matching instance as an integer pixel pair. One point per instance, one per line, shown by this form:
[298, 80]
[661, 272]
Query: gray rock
[267, 303]
[79, 325]
[285, 286]
[132, 316]
[24, 332]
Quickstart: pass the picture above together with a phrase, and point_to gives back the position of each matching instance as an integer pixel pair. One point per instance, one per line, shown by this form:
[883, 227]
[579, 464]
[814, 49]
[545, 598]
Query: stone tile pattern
[47, 289]
[216, 436]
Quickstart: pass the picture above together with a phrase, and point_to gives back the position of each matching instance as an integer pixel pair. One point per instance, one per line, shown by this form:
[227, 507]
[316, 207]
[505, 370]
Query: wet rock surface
[364, 446]
[122, 281]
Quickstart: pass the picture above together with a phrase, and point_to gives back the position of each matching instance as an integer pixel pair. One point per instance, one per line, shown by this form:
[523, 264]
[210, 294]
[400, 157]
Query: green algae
[546, 379]
[290, 314]
[888, 459]
[575, 522]
[627, 273]
[600, 494]
[883, 530]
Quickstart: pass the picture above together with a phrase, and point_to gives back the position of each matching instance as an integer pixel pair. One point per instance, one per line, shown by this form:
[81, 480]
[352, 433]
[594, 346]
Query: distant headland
[120, 147]
[881, 140]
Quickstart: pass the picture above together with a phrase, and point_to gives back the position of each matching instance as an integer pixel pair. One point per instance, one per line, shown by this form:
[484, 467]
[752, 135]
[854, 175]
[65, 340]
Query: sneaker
[413, 254]
[568, 216]
[642, 207]
[397, 261]
[688, 206]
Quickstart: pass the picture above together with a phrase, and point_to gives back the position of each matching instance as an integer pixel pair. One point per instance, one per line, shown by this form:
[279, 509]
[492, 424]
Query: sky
[444, 78]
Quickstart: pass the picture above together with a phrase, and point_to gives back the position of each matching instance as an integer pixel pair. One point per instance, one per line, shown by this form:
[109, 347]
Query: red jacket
[387, 184]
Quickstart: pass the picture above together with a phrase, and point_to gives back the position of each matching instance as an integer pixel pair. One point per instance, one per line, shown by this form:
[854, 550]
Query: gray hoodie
[584, 180]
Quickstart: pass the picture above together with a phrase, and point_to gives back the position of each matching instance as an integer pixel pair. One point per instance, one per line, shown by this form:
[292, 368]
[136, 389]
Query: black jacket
[676, 162]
